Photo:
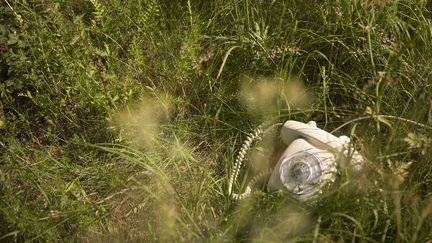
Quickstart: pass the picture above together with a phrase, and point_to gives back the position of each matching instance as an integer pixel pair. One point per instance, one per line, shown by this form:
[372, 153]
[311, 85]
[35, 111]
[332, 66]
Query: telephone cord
[255, 135]
[252, 182]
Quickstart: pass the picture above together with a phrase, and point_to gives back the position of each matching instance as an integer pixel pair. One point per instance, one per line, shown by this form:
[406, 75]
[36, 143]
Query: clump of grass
[73, 165]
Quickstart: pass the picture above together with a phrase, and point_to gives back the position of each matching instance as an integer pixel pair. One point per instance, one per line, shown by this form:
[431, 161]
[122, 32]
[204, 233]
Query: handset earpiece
[292, 130]
[319, 138]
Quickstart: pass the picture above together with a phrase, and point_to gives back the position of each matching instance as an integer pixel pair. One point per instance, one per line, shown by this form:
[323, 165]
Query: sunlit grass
[121, 120]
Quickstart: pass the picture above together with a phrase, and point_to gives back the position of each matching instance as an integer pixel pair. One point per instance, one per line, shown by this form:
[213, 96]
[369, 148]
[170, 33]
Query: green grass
[121, 120]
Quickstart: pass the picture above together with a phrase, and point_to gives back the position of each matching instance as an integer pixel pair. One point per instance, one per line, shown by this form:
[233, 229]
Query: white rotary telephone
[308, 164]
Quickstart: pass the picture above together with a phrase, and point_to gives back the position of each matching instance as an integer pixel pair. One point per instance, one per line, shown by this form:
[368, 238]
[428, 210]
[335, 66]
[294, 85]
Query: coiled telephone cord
[254, 136]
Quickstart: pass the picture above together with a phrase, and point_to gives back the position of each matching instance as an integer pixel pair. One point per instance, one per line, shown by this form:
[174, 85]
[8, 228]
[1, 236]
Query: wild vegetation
[120, 120]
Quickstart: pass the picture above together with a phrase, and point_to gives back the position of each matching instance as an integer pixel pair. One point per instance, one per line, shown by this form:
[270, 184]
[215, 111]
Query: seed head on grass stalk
[267, 96]
[284, 225]
[141, 122]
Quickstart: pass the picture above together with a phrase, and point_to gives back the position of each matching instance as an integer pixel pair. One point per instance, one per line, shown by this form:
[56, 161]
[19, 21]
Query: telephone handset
[309, 162]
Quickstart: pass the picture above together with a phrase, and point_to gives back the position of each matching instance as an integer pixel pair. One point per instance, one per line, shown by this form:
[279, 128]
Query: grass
[121, 120]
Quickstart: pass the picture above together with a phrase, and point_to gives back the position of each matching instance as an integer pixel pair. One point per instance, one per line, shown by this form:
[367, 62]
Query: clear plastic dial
[300, 173]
